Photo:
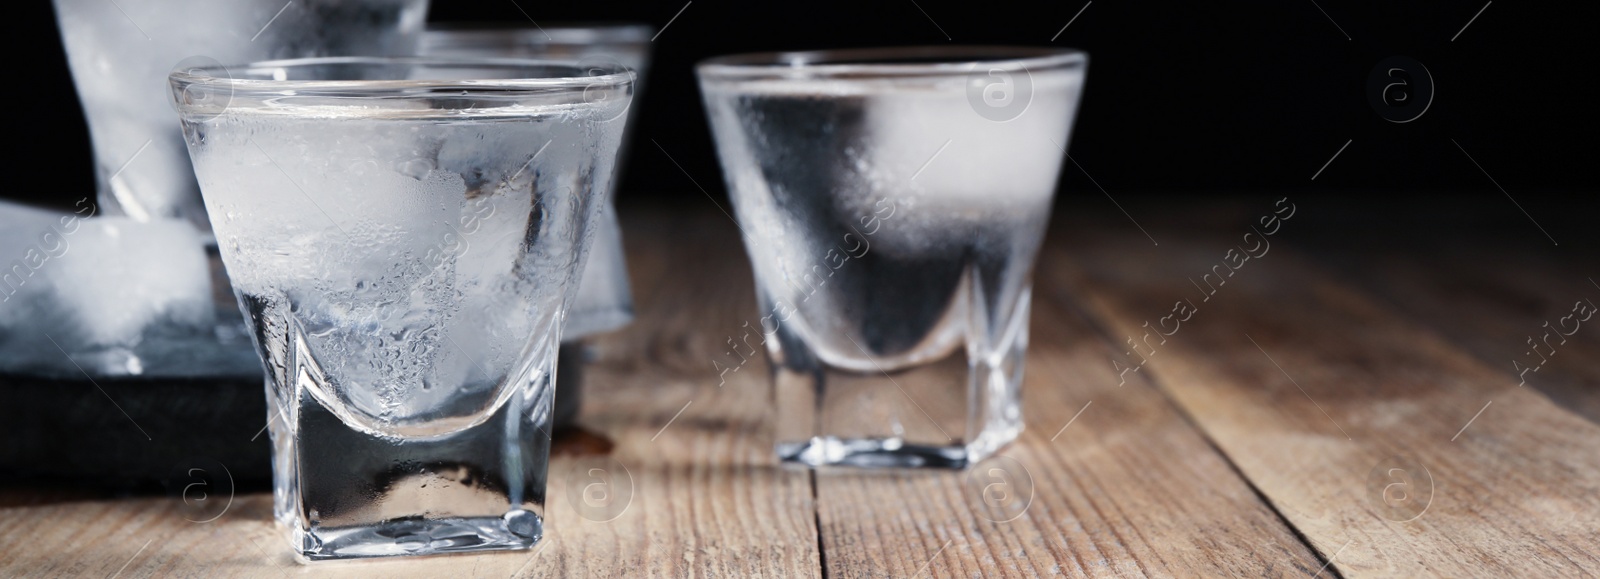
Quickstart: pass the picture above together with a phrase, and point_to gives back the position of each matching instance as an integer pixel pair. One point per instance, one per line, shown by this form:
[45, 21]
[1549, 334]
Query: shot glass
[893, 202]
[405, 251]
[598, 42]
[605, 299]
[120, 54]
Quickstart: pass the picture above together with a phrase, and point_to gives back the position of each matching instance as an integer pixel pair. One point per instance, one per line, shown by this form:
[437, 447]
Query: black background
[1198, 100]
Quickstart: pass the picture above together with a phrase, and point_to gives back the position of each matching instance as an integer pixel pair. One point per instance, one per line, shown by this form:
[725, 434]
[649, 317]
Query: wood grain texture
[1490, 302]
[708, 499]
[1128, 488]
[1307, 385]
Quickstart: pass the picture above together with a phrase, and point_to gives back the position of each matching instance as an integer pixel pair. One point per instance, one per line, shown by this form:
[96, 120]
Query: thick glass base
[879, 453]
[343, 493]
[516, 530]
[951, 412]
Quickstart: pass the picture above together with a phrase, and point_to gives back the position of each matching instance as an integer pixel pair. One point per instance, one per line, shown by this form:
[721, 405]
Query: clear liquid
[900, 228]
[405, 281]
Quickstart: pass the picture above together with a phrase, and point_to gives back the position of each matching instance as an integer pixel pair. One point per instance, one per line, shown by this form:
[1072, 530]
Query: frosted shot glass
[605, 298]
[605, 302]
[121, 52]
[405, 251]
[893, 202]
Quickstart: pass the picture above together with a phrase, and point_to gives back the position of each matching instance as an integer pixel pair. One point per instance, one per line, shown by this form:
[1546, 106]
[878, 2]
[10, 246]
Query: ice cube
[121, 276]
[81, 284]
[30, 238]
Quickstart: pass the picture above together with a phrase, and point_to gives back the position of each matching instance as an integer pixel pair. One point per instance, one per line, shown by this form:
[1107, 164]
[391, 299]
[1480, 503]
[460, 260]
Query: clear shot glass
[605, 299]
[625, 43]
[405, 251]
[893, 202]
[120, 54]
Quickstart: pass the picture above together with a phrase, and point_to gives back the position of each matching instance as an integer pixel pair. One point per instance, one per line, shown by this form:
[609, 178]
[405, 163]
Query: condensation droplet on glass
[416, 168]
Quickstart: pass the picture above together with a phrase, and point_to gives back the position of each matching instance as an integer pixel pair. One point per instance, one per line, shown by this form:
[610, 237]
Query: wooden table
[1262, 437]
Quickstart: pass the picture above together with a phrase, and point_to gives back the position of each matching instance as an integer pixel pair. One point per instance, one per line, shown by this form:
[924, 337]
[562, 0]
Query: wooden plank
[1308, 386]
[1123, 486]
[706, 500]
[1491, 302]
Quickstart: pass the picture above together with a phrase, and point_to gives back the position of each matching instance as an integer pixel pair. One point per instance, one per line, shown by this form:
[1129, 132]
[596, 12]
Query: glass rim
[575, 32]
[208, 77]
[897, 61]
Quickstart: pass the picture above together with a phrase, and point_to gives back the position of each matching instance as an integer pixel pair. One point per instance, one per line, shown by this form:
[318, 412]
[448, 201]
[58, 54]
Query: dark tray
[130, 432]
